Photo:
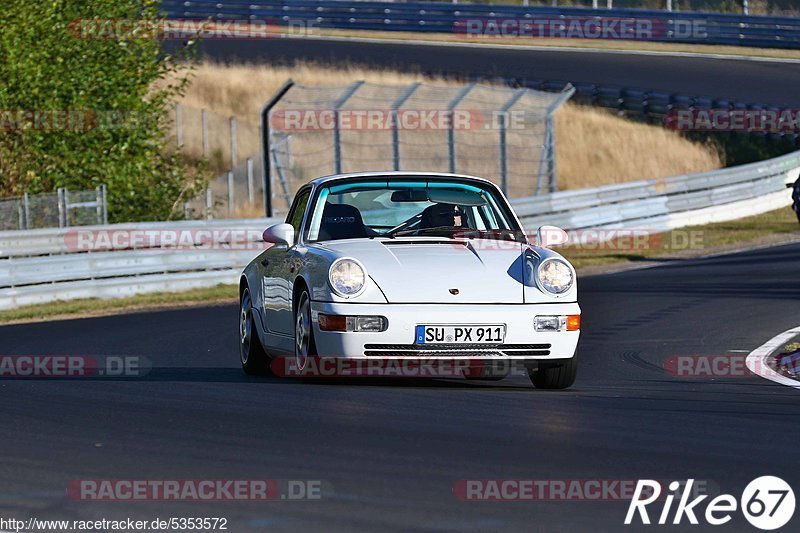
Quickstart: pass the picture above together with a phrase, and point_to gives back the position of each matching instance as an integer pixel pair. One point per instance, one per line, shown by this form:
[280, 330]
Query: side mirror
[279, 234]
[547, 236]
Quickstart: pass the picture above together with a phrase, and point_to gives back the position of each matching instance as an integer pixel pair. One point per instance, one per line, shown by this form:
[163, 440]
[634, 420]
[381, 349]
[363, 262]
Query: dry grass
[594, 147]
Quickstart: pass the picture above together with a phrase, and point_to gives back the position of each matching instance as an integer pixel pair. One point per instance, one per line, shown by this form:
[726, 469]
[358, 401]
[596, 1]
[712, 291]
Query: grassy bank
[594, 146]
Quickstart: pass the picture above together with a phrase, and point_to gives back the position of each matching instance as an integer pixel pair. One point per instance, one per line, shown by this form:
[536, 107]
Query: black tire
[254, 359]
[304, 346]
[560, 375]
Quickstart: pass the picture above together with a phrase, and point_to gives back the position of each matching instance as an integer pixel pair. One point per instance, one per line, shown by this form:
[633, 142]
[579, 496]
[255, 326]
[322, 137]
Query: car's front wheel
[556, 374]
[304, 346]
[251, 353]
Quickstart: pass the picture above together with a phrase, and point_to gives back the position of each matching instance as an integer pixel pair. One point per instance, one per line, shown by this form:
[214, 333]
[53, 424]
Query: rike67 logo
[767, 503]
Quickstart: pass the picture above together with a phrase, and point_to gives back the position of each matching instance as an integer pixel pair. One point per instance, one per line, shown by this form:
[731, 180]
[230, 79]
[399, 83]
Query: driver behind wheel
[441, 215]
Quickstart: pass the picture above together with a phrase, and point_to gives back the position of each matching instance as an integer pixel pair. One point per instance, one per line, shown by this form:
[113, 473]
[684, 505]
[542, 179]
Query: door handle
[265, 262]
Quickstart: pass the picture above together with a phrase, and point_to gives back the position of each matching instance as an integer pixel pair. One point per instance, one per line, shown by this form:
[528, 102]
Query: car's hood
[431, 270]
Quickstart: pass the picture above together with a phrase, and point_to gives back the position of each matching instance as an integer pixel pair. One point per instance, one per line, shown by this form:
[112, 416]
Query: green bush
[101, 104]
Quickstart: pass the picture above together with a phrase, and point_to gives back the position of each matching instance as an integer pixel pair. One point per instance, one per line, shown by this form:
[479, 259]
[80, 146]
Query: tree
[84, 101]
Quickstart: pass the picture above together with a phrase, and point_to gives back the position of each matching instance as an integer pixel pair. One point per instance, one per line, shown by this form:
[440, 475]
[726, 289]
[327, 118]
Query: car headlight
[347, 277]
[555, 276]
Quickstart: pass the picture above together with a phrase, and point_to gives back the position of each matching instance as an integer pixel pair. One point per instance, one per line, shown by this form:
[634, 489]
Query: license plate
[482, 334]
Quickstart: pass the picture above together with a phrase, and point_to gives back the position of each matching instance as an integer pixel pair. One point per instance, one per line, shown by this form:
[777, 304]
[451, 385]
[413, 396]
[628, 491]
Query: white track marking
[757, 360]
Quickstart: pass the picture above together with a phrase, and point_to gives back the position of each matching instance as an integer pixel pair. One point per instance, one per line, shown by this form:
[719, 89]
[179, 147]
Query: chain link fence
[504, 134]
[61, 209]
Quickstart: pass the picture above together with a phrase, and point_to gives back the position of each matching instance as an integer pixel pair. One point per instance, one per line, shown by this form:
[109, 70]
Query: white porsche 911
[409, 265]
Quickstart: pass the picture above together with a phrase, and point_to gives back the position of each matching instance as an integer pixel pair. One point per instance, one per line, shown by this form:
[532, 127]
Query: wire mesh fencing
[63, 208]
[501, 133]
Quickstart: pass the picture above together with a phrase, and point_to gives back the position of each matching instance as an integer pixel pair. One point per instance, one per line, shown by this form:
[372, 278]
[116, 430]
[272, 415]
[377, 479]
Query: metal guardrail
[41, 266]
[717, 28]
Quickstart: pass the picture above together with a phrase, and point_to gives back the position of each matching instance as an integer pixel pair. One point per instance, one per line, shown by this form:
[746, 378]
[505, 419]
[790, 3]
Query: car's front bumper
[522, 342]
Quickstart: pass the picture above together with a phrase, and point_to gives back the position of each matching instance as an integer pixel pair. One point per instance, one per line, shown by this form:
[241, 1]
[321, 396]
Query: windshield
[408, 207]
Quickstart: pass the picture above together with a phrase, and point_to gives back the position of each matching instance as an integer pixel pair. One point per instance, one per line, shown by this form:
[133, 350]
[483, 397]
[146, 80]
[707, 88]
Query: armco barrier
[708, 28]
[41, 266]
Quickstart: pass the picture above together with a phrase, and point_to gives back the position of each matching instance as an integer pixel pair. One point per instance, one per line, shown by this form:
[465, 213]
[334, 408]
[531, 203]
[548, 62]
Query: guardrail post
[26, 207]
[502, 123]
[337, 141]
[451, 135]
[251, 195]
[669, 5]
[266, 174]
[395, 127]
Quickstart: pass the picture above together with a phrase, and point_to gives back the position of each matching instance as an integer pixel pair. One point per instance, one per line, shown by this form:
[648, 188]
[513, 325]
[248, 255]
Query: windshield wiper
[448, 230]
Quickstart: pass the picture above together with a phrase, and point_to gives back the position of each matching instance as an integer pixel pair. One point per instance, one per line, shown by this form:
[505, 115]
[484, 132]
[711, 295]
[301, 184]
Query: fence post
[669, 5]
[27, 208]
[98, 199]
[21, 216]
[395, 130]
[187, 212]
[251, 196]
[105, 203]
[204, 120]
[451, 135]
[552, 177]
[179, 123]
[230, 194]
[209, 205]
[503, 156]
[745, 9]
[266, 174]
[62, 208]
[550, 137]
[234, 143]
[337, 141]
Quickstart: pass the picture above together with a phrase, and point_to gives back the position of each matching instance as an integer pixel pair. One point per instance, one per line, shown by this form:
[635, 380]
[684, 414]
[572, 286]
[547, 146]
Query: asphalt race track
[751, 81]
[390, 452]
